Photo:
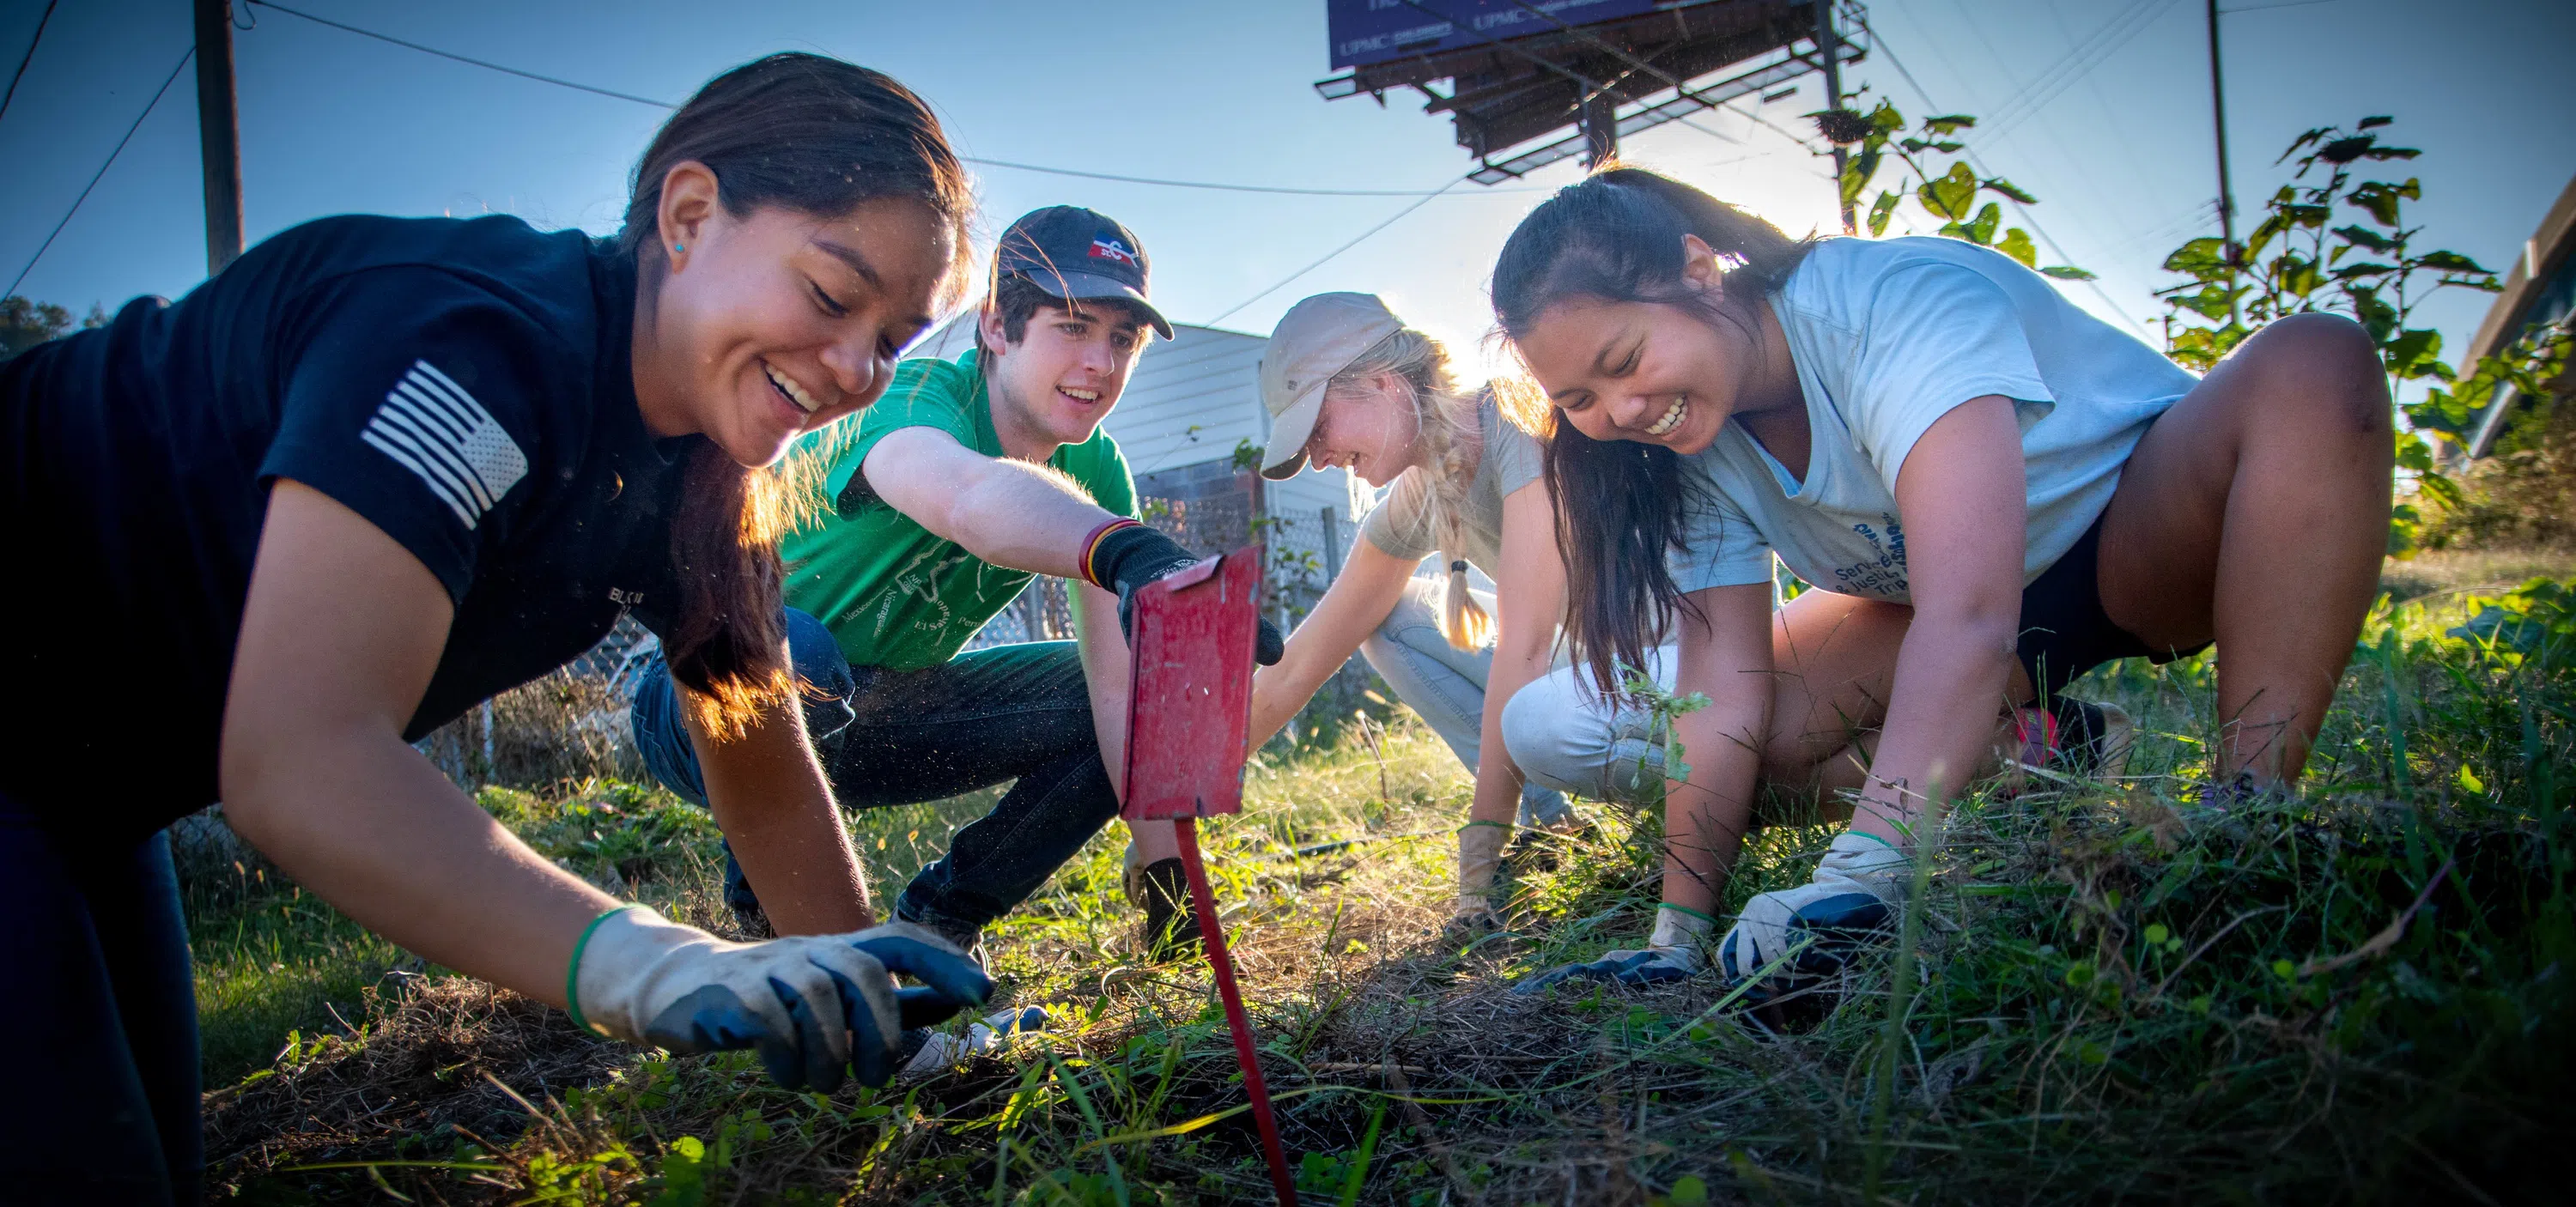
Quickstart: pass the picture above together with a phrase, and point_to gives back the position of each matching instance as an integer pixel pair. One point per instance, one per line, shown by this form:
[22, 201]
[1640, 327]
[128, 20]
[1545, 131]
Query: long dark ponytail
[1616, 236]
[817, 136]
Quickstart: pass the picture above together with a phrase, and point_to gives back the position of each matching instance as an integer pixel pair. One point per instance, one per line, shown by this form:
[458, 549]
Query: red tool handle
[1204, 902]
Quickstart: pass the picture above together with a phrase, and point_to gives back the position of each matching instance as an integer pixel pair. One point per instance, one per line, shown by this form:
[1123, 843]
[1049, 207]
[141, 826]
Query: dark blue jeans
[96, 1001]
[1013, 712]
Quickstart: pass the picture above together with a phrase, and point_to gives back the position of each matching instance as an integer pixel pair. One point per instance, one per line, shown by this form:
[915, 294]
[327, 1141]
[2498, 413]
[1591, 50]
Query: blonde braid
[1449, 463]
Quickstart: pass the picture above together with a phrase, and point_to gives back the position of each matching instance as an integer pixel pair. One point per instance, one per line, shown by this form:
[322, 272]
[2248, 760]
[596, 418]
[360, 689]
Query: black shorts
[2065, 632]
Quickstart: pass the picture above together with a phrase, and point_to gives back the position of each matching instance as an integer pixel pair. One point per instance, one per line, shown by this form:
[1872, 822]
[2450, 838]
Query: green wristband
[572, 970]
[1687, 912]
[1875, 838]
[1499, 825]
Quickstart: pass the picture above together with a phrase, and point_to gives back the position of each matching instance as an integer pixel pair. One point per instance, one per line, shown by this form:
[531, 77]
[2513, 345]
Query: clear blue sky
[2119, 153]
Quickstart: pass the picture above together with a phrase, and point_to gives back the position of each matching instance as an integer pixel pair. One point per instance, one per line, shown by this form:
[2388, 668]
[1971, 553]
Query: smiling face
[1054, 385]
[771, 324]
[1370, 427]
[1649, 372]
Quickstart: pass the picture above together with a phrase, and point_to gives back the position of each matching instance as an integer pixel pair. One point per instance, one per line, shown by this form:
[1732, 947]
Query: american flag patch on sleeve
[431, 426]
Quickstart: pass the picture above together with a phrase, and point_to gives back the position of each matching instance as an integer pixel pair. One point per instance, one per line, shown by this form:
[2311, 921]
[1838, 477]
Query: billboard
[1375, 31]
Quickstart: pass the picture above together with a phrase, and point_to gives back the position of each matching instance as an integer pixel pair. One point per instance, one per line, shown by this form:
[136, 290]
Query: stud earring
[677, 248]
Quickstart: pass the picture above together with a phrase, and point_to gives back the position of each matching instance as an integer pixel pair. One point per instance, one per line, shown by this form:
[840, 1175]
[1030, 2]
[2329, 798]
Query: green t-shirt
[894, 595]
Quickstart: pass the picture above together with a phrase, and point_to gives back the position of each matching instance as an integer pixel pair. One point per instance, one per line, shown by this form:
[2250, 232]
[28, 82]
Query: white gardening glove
[1856, 892]
[1480, 857]
[812, 1005]
[1670, 954]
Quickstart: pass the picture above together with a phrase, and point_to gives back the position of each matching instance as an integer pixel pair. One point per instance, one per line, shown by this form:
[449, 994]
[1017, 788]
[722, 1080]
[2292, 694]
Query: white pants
[1568, 736]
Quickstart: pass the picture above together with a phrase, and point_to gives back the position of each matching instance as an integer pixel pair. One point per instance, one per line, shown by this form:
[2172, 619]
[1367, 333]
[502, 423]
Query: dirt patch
[419, 1072]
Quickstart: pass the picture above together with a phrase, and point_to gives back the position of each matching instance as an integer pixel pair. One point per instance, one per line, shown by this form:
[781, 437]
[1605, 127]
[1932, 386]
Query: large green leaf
[2296, 275]
[1950, 195]
[2009, 189]
[1879, 211]
[2204, 258]
[2016, 243]
[2411, 348]
[1982, 231]
[2066, 272]
[1949, 123]
[2362, 236]
[2451, 261]
[2355, 272]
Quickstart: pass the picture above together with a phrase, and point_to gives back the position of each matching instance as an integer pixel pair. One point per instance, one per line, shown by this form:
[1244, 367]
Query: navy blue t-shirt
[465, 386]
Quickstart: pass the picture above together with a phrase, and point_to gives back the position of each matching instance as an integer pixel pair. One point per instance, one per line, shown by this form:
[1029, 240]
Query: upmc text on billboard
[1374, 31]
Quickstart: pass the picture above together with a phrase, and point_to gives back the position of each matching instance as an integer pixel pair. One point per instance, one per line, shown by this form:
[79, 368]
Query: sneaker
[934, 1052]
[1171, 929]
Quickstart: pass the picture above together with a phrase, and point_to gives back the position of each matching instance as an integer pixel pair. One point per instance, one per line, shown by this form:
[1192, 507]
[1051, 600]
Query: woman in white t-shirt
[1993, 491]
[1348, 384]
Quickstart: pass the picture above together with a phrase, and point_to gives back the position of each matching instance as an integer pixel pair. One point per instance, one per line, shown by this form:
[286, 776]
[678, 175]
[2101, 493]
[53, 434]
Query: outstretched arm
[1529, 602]
[338, 639]
[1961, 491]
[1725, 653]
[1009, 513]
[770, 797]
[1354, 606]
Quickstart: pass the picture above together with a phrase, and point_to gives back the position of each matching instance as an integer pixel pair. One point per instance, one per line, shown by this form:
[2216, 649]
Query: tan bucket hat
[1316, 339]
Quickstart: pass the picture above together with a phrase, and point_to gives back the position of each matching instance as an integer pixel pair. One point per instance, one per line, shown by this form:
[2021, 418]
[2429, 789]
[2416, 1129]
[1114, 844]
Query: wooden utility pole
[1827, 49]
[2226, 193]
[218, 133]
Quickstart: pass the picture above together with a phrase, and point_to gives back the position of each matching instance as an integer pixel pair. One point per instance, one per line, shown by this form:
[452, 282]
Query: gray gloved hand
[811, 1005]
[1671, 954]
[1855, 893]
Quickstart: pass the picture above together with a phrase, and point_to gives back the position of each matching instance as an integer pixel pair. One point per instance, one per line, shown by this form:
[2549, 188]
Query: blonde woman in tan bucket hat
[1348, 385]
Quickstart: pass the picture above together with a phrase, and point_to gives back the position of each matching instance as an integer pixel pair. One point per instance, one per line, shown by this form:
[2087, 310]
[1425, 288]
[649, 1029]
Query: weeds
[2104, 992]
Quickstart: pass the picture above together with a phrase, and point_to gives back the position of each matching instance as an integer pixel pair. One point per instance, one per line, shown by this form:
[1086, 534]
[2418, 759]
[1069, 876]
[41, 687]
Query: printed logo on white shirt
[434, 428]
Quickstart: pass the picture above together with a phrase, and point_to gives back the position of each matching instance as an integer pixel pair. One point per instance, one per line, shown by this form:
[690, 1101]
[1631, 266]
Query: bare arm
[1105, 666]
[339, 636]
[1962, 494]
[1009, 513]
[1529, 602]
[776, 808]
[1354, 606]
[1726, 653]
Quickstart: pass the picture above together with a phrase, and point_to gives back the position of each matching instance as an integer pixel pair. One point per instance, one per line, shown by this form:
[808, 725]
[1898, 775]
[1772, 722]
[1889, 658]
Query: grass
[2360, 995]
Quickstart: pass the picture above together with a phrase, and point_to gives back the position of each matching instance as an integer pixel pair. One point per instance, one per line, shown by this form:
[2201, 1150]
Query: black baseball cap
[1074, 254]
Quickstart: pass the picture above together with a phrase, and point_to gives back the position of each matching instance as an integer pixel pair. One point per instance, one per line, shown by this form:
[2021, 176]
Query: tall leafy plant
[2335, 239]
[1933, 173]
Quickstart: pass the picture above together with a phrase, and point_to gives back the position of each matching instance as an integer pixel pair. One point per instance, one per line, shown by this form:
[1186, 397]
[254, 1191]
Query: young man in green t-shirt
[965, 481]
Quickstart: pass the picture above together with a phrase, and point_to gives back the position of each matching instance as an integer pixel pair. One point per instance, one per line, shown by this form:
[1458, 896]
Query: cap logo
[1112, 249]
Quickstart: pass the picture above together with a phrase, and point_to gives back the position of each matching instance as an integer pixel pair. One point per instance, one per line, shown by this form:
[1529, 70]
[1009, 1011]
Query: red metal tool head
[1191, 697]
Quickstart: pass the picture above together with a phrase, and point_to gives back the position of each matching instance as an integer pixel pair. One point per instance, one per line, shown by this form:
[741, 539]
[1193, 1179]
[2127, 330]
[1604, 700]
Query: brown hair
[818, 136]
[1616, 236]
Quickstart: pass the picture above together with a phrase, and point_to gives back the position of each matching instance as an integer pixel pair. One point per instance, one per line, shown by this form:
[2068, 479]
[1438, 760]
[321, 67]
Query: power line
[1328, 256]
[2088, 54]
[30, 57]
[102, 171]
[486, 65]
[1229, 188]
[594, 90]
[1879, 43]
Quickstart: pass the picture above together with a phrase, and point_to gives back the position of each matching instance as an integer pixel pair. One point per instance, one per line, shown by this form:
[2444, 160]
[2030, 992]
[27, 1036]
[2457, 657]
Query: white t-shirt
[1888, 336]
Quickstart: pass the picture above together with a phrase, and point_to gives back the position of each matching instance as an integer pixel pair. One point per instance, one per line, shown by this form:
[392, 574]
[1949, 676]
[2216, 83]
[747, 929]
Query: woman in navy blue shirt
[381, 469]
